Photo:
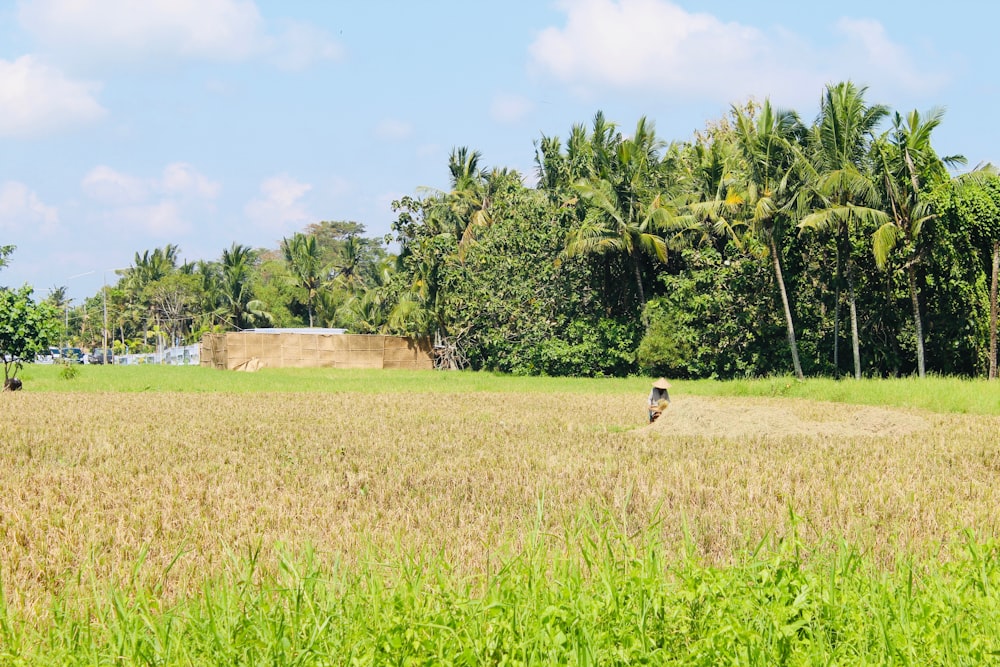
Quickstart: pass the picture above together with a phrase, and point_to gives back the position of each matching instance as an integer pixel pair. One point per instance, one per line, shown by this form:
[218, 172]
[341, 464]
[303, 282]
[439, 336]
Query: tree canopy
[734, 252]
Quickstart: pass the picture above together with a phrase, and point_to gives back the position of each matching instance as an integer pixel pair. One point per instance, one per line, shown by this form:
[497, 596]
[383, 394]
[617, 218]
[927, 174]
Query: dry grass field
[91, 484]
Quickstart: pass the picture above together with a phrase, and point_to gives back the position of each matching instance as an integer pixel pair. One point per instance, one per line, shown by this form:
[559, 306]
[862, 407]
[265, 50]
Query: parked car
[71, 355]
[100, 355]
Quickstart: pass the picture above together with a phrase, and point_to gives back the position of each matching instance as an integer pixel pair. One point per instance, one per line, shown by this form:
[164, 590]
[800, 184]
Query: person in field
[659, 399]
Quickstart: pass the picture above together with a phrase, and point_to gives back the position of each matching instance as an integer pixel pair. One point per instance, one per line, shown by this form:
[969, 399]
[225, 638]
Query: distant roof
[302, 330]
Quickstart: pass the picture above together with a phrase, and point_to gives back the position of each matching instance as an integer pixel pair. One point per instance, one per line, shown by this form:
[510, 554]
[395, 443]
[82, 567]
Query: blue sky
[128, 125]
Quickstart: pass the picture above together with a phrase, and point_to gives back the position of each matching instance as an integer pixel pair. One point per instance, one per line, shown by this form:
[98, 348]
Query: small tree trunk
[855, 345]
[911, 273]
[788, 311]
[993, 310]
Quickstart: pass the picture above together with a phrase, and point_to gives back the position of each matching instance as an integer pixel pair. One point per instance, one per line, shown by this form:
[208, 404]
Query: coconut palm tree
[235, 290]
[612, 226]
[627, 205]
[906, 161]
[768, 143]
[842, 190]
[305, 263]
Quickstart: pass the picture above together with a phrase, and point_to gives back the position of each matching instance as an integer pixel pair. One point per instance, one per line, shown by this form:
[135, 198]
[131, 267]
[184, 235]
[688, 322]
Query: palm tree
[767, 142]
[905, 158]
[624, 209]
[843, 192]
[242, 309]
[714, 201]
[349, 263]
[152, 266]
[613, 227]
[587, 156]
[304, 261]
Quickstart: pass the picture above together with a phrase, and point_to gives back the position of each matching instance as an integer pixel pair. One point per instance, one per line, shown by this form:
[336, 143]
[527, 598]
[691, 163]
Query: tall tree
[972, 201]
[906, 162]
[625, 210]
[767, 141]
[842, 188]
[305, 263]
[242, 308]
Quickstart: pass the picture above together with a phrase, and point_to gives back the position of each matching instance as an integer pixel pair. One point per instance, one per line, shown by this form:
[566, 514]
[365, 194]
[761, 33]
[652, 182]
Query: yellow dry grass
[87, 482]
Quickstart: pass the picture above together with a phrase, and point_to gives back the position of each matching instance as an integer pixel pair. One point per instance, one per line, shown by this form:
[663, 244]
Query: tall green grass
[593, 595]
[934, 393]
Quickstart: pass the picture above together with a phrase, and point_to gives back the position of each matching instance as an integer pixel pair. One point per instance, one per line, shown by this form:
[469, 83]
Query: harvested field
[90, 482]
[780, 417]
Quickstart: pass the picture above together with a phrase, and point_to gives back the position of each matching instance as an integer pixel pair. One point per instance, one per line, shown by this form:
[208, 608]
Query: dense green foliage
[762, 245]
[26, 328]
[593, 596]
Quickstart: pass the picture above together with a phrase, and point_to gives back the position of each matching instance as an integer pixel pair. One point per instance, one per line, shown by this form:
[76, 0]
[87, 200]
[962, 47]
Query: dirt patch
[738, 417]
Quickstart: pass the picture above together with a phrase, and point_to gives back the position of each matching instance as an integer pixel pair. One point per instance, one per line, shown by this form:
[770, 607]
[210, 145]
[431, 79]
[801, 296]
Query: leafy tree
[5, 252]
[171, 301]
[970, 207]
[26, 328]
[988, 232]
[713, 320]
[275, 286]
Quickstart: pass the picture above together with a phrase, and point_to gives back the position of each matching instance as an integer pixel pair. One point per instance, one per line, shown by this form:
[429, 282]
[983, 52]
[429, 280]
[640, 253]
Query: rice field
[187, 516]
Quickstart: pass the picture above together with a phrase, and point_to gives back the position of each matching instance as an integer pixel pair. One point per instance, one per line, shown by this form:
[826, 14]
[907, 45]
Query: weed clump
[68, 370]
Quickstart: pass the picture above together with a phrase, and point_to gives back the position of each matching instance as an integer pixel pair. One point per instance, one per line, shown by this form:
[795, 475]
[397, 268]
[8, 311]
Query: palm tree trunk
[836, 318]
[855, 345]
[788, 311]
[993, 310]
[911, 273]
[642, 293]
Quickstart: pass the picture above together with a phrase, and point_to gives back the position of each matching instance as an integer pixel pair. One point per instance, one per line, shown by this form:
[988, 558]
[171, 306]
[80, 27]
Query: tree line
[764, 244]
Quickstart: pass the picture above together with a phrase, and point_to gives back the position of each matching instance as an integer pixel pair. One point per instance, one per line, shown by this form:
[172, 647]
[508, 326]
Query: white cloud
[164, 219]
[107, 186]
[22, 210]
[509, 108]
[129, 30]
[393, 129]
[279, 208]
[161, 206]
[657, 46]
[88, 32]
[36, 98]
[180, 178]
[869, 49]
[301, 45]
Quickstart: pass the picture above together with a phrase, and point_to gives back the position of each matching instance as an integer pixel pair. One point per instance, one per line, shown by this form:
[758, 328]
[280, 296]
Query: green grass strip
[592, 596]
[937, 394]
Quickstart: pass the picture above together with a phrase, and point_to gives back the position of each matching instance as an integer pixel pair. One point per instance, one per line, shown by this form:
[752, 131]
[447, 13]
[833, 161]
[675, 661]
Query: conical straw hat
[662, 384]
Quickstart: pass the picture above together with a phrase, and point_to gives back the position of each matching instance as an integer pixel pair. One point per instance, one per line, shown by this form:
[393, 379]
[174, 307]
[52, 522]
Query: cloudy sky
[127, 125]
